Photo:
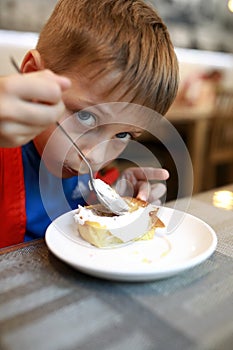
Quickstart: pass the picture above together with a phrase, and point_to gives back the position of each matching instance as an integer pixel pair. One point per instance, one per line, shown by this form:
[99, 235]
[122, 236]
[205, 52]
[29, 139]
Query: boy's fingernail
[142, 197]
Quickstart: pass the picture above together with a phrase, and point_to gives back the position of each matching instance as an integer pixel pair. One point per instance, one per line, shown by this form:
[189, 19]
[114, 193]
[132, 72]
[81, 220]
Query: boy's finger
[44, 87]
[149, 173]
[157, 191]
[143, 190]
[64, 82]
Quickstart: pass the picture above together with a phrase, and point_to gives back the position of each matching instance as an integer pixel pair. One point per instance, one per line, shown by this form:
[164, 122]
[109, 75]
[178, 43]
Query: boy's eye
[86, 118]
[124, 136]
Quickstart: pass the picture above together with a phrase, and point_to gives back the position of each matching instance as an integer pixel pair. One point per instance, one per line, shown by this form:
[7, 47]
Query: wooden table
[45, 304]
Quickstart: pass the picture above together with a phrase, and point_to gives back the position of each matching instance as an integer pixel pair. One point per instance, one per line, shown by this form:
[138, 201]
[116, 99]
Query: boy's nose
[98, 154]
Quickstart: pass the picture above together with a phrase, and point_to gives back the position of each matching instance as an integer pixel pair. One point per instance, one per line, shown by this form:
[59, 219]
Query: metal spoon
[104, 193]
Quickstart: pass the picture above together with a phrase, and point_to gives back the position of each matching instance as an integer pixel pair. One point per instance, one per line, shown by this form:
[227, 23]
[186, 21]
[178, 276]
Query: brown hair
[119, 36]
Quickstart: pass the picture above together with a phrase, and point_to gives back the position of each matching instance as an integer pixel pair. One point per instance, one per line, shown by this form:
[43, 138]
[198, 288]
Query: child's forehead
[100, 85]
[107, 97]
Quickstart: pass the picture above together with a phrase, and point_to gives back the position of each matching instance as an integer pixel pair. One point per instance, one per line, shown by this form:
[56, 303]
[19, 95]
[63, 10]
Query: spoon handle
[15, 65]
[78, 149]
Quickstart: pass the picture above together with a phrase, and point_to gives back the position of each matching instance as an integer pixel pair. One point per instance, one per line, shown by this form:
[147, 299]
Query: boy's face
[100, 128]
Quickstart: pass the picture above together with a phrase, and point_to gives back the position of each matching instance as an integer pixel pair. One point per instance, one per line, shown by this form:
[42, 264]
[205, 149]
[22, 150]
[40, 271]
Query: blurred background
[202, 33]
[194, 24]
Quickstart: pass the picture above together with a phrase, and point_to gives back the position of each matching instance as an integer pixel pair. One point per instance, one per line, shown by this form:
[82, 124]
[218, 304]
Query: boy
[117, 55]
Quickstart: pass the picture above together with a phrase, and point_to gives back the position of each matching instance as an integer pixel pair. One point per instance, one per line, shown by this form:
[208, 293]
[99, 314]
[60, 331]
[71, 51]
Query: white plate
[191, 242]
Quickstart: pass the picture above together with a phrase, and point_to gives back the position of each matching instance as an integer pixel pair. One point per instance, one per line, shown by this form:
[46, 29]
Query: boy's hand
[29, 103]
[135, 182]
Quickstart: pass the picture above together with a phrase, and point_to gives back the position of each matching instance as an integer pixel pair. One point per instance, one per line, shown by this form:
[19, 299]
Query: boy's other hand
[136, 182]
[29, 103]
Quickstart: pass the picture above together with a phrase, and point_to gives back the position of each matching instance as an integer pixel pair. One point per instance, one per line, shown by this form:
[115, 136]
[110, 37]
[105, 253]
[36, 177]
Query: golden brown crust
[100, 236]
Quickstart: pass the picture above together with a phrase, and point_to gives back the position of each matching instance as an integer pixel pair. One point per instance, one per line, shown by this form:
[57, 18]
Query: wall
[25, 15]
[195, 24]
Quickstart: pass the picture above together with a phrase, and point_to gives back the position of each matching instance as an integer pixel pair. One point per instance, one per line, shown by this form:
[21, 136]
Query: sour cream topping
[126, 227]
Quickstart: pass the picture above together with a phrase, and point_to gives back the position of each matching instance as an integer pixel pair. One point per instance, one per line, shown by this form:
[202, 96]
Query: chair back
[221, 134]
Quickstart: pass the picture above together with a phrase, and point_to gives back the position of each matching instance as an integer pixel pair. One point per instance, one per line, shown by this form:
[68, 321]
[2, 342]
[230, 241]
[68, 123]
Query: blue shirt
[47, 196]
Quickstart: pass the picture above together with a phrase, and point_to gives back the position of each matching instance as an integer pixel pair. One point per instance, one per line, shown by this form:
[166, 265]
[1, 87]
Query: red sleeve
[12, 197]
[109, 176]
